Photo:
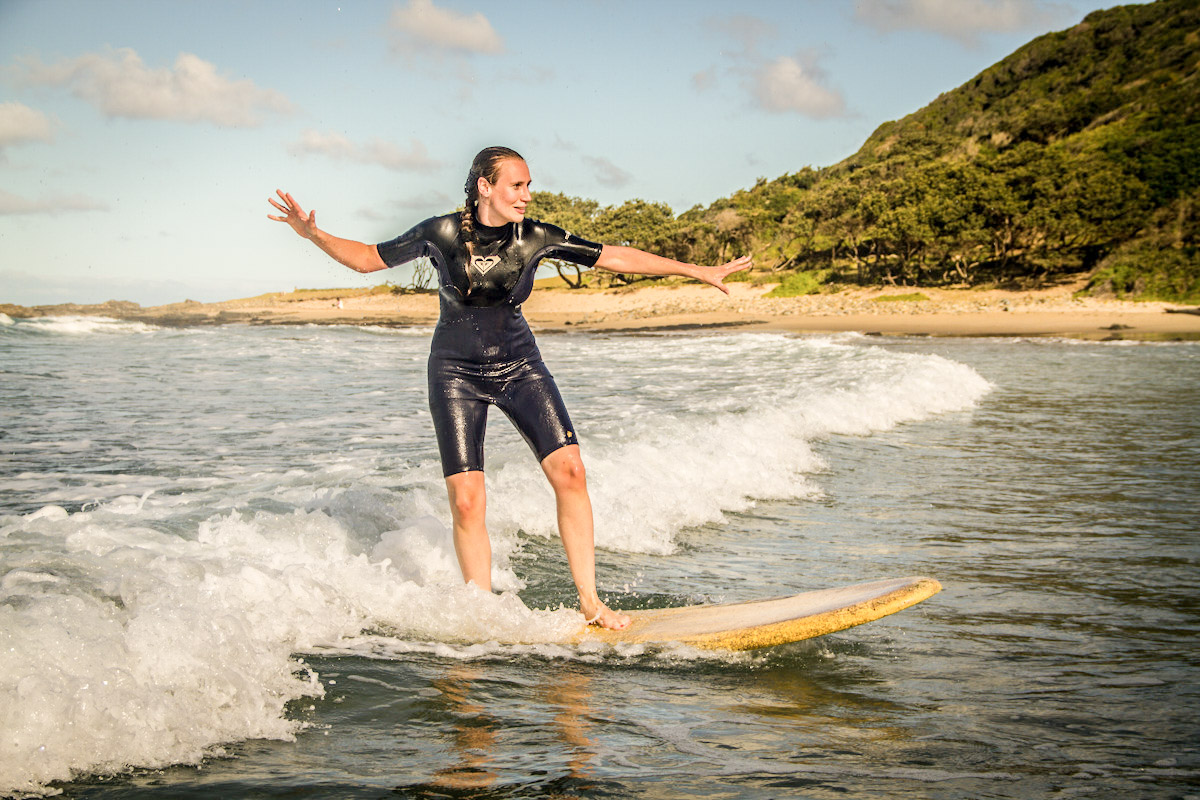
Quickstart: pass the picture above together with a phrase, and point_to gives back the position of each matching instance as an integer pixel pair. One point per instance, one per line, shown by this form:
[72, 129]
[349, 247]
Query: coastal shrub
[1170, 275]
[800, 283]
[911, 297]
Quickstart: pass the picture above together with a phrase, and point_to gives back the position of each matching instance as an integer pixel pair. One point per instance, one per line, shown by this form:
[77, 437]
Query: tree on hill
[1042, 165]
[1081, 145]
[637, 223]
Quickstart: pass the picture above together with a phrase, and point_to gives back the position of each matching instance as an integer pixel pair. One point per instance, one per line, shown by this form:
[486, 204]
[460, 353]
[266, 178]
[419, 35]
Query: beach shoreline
[896, 311]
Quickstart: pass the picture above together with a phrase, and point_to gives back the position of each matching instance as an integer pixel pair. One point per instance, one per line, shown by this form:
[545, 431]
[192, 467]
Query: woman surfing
[484, 354]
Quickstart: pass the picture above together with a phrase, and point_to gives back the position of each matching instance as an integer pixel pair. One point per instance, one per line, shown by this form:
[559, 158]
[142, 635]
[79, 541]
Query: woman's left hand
[715, 276]
[630, 260]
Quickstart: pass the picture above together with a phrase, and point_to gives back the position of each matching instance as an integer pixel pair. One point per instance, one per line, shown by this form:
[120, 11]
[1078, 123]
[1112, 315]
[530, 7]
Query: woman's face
[504, 201]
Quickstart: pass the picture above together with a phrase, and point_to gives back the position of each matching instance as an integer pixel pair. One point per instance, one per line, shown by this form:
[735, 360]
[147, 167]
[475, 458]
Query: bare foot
[605, 617]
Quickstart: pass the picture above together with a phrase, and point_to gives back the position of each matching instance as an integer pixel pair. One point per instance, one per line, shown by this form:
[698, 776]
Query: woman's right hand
[353, 254]
[715, 276]
[302, 223]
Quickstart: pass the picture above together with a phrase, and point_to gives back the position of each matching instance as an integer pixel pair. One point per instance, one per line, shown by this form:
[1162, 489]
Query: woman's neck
[488, 219]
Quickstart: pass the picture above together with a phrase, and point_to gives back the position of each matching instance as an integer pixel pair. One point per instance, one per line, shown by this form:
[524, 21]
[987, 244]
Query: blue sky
[140, 140]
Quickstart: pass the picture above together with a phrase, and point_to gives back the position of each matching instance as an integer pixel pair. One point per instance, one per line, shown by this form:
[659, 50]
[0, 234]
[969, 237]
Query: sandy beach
[935, 312]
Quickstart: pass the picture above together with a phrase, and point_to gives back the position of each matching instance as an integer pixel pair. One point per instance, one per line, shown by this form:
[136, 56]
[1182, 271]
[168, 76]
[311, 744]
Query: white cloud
[11, 204]
[20, 124]
[780, 85]
[786, 84]
[121, 85]
[607, 173]
[376, 151]
[398, 211]
[964, 20]
[420, 25]
[747, 31]
[704, 80]
[604, 171]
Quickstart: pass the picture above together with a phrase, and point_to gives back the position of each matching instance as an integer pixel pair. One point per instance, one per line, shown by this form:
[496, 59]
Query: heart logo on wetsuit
[484, 263]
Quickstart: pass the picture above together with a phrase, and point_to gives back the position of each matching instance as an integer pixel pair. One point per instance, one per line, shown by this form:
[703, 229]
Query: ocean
[226, 569]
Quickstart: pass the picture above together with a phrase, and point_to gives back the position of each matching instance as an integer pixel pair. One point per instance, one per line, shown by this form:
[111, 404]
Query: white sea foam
[81, 325]
[589, 652]
[667, 469]
[159, 613]
[120, 645]
[411, 331]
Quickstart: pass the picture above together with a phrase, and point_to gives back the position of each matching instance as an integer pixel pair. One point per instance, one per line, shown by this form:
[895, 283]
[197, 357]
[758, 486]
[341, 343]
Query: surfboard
[766, 623]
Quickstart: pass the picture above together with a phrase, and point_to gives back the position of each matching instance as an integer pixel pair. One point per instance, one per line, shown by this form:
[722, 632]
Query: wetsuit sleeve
[569, 247]
[407, 246]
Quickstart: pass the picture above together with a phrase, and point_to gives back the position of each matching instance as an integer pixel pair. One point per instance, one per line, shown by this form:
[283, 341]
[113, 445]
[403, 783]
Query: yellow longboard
[765, 623]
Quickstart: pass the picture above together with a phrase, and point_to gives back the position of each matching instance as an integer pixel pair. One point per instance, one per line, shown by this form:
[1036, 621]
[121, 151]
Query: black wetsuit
[483, 352]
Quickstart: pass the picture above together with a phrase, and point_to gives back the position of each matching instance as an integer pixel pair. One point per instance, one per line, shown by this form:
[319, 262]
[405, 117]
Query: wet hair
[487, 166]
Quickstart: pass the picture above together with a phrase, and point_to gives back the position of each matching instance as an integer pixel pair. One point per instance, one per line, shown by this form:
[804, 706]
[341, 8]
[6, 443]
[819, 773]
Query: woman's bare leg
[564, 469]
[468, 504]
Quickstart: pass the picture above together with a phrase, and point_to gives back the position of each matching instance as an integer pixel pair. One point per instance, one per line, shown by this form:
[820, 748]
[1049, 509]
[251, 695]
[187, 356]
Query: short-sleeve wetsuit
[483, 352]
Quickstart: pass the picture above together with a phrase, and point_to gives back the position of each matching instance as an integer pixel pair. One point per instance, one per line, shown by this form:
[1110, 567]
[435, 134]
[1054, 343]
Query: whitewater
[202, 527]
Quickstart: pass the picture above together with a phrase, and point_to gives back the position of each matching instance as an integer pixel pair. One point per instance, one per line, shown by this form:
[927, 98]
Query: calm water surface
[226, 549]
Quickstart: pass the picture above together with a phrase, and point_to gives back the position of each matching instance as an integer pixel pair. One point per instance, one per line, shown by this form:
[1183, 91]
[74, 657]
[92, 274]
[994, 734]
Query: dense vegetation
[1080, 152]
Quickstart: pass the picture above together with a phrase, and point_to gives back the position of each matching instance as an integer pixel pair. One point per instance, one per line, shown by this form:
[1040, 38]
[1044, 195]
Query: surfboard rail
[755, 624]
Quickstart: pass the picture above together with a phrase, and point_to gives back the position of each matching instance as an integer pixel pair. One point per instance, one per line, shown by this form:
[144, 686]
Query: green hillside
[1080, 152]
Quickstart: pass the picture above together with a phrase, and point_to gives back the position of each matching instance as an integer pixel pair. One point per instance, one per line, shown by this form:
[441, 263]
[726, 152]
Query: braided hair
[487, 166]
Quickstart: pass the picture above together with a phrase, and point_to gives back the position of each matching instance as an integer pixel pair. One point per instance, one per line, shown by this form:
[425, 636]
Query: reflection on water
[498, 741]
[475, 731]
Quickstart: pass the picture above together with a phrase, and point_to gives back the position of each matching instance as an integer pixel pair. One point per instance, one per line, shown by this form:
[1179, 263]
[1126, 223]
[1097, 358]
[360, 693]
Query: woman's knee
[468, 500]
[564, 468]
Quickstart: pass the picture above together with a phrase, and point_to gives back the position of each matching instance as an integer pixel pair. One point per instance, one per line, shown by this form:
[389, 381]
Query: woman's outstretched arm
[357, 256]
[616, 258]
